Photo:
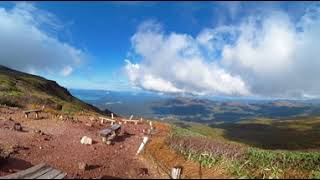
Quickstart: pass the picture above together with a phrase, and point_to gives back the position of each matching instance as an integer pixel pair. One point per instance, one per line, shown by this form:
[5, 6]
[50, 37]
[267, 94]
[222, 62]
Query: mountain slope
[25, 90]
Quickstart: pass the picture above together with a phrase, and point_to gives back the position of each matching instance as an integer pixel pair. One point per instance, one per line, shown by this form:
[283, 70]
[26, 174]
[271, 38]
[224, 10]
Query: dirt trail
[59, 145]
[166, 158]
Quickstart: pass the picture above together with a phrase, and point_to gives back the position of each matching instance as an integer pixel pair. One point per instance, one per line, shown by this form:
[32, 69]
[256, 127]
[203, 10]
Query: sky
[243, 49]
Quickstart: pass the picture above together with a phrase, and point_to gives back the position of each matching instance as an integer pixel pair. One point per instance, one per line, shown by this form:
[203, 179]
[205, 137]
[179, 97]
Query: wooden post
[144, 142]
[151, 126]
[104, 139]
[176, 172]
[36, 115]
[111, 115]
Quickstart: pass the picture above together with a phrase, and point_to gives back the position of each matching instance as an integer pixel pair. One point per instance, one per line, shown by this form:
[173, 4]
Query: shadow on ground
[15, 165]
[122, 137]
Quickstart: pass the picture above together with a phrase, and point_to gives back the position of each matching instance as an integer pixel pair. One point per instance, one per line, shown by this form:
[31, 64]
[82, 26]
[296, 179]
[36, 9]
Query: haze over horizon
[227, 49]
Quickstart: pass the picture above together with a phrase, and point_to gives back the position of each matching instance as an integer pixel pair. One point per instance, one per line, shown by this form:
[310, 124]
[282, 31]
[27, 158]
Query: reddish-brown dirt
[59, 146]
[165, 158]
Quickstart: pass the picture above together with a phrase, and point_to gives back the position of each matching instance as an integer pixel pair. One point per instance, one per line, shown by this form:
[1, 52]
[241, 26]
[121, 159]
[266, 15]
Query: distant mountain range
[191, 109]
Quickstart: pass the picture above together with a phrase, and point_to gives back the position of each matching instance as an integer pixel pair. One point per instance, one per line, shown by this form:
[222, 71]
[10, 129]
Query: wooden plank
[39, 173]
[131, 120]
[26, 172]
[108, 131]
[115, 127]
[50, 174]
[30, 111]
[105, 132]
[60, 176]
[107, 119]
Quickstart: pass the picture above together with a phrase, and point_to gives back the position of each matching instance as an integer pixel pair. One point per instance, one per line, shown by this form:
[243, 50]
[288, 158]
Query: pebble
[83, 166]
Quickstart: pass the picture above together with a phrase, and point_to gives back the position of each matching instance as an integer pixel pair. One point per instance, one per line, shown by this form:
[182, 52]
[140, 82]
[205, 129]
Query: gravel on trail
[57, 143]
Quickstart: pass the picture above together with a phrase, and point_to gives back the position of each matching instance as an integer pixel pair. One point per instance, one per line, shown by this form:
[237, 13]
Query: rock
[37, 131]
[142, 172]
[89, 124]
[92, 119]
[17, 127]
[83, 166]
[86, 140]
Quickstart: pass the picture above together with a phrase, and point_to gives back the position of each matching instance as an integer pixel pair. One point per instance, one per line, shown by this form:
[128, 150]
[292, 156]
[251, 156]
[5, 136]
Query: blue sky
[103, 35]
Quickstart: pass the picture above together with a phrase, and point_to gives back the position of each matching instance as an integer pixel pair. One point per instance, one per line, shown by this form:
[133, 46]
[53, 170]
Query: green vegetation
[296, 134]
[24, 90]
[185, 132]
[213, 147]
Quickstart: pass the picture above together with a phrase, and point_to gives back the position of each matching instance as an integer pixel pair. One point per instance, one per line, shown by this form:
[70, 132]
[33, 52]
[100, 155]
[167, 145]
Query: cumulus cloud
[173, 63]
[269, 54]
[276, 56]
[28, 43]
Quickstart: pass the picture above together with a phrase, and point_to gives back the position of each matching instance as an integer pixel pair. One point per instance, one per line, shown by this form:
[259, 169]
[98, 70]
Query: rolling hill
[192, 109]
[26, 90]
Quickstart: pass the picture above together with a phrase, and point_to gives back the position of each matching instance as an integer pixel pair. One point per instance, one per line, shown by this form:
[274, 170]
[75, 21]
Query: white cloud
[275, 57]
[173, 63]
[66, 71]
[28, 43]
[269, 54]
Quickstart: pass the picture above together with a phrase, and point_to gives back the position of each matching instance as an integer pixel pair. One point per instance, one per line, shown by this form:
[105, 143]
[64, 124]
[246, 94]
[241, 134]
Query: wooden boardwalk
[40, 171]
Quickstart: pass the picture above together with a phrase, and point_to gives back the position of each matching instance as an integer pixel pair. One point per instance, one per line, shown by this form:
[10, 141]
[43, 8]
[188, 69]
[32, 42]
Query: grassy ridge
[213, 147]
[25, 90]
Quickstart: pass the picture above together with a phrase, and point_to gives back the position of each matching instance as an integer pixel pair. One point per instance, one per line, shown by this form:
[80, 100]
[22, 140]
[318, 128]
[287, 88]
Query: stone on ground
[86, 140]
[83, 166]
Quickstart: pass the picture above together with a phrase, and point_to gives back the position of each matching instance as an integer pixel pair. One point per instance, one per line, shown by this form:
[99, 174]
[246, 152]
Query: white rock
[86, 140]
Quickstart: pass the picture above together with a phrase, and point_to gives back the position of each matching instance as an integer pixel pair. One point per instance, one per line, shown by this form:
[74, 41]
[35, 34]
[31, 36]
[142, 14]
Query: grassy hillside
[25, 90]
[261, 148]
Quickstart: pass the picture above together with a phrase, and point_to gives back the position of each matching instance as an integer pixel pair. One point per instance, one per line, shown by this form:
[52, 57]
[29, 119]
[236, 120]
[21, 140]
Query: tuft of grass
[178, 131]
[252, 163]
[315, 175]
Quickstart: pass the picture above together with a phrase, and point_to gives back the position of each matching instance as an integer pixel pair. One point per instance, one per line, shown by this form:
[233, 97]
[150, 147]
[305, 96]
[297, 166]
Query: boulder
[86, 140]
